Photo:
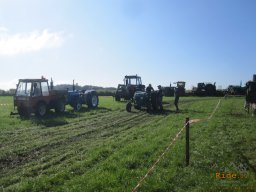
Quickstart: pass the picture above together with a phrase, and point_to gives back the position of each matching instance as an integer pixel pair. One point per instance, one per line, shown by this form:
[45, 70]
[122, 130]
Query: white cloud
[3, 29]
[13, 44]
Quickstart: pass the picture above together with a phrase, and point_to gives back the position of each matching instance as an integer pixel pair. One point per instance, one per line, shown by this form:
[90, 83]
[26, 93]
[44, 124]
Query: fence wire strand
[150, 170]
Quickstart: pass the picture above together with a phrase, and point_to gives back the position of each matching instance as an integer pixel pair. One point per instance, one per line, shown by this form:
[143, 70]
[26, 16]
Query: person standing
[149, 89]
[176, 98]
[160, 97]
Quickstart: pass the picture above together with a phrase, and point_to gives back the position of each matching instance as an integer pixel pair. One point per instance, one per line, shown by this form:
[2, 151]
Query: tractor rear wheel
[117, 98]
[41, 109]
[60, 107]
[129, 107]
[149, 107]
[93, 100]
[137, 107]
[155, 107]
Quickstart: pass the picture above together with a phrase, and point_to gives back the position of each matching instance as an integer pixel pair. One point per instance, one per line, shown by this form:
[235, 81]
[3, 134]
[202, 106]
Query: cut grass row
[109, 149]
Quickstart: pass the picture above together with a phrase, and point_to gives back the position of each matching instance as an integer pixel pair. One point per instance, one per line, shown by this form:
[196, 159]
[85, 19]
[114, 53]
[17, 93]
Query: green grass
[109, 149]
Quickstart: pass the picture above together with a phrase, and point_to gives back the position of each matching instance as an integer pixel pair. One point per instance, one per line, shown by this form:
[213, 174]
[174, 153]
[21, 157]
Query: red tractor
[35, 96]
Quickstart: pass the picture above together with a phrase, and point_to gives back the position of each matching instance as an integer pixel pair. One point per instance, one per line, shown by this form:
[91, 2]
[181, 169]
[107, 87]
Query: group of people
[149, 89]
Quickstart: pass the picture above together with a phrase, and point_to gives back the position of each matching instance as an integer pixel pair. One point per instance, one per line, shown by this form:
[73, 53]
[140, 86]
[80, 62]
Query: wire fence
[151, 169]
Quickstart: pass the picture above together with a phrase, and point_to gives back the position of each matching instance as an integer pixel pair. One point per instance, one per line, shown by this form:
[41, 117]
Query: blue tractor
[76, 98]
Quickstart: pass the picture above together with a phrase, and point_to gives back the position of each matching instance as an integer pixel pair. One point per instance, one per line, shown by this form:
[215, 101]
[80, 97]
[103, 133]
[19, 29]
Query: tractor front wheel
[41, 109]
[23, 112]
[77, 106]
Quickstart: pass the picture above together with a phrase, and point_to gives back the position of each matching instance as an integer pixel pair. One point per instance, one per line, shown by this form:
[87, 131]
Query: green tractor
[150, 101]
[169, 91]
[205, 89]
[131, 84]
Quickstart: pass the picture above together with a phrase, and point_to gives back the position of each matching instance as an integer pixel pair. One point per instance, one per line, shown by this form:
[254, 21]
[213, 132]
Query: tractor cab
[180, 85]
[132, 80]
[132, 83]
[32, 88]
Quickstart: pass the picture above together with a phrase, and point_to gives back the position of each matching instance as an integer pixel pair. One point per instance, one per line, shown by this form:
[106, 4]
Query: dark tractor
[35, 96]
[181, 87]
[77, 98]
[236, 90]
[205, 89]
[169, 91]
[131, 84]
[150, 101]
[250, 95]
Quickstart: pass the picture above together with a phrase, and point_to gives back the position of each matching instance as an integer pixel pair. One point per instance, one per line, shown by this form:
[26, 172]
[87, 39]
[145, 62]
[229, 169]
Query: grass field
[108, 149]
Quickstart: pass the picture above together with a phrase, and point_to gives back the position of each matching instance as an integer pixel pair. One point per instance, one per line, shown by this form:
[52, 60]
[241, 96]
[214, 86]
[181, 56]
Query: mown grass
[108, 149]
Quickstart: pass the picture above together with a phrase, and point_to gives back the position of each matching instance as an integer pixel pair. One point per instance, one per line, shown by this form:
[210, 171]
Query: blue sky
[98, 42]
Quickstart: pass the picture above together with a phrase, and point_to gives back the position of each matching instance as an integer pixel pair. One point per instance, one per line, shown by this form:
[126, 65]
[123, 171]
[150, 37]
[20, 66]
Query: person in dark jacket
[160, 97]
[176, 98]
[149, 89]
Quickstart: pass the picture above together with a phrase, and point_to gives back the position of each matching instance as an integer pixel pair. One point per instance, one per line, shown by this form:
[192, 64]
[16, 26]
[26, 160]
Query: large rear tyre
[41, 109]
[161, 107]
[23, 112]
[60, 107]
[93, 100]
[129, 107]
[155, 107]
[149, 108]
[117, 98]
[137, 107]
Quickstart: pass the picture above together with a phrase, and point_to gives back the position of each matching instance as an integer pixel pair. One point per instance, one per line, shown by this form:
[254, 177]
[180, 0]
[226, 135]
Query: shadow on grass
[191, 111]
[237, 114]
[87, 109]
[52, 119]
[122, 101]
[154, 112]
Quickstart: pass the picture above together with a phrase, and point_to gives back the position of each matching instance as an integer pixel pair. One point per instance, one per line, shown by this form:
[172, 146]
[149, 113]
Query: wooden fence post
[187, 141]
